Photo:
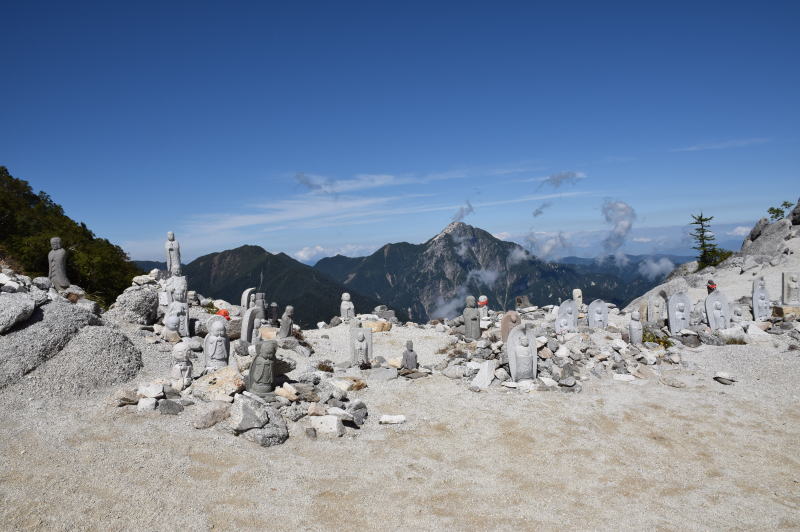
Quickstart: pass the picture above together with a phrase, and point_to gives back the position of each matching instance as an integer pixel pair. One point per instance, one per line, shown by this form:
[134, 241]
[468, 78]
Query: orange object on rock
[224, 313]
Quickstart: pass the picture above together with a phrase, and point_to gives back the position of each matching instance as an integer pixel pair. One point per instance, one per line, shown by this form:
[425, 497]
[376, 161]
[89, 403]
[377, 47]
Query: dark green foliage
[709, 253]
[663, 341]
[776, 213]
[28, 221]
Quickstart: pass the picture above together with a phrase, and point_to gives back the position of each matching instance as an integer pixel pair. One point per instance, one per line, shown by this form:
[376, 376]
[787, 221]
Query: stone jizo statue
[718, 311]
[285, 330]
[567, 320]
[483, 306]
[791, 289]
[273, 314]
[635, 331]
[261, 379]
[577, 297]
[361, 350]
[173, 252]
[216, 347]
[181, 374]
[409, 357]
[762, 308]
[346, 309]
[178, 308]
[509, 321]
[679, 309]
[57, 268]
[471, 319]
[522, 359]
[598, 314]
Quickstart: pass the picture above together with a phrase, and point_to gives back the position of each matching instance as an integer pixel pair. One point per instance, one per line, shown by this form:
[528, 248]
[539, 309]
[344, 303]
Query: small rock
[327, 425]
[316, 409]
[169, 407]
[146, 404]
[125, 397]
[216, 412]
[392, 420]
[724, 378]
[154, 390]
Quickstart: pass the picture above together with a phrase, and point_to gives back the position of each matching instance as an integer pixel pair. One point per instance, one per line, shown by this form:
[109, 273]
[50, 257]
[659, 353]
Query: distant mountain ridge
[430, 280]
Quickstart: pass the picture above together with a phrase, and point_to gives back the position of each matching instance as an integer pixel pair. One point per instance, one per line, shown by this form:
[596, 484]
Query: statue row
[567, 316]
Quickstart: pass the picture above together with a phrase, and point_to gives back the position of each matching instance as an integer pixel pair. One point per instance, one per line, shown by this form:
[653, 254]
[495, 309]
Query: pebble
[387, 419]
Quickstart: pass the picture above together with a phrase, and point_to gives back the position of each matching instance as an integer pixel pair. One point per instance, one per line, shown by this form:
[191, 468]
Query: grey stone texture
[172, 250]
[57, 264]
[598, 314]
[679, 309]
[718, 311]
[137, 304]
[791, 288]
[15, 308]
[760, 302]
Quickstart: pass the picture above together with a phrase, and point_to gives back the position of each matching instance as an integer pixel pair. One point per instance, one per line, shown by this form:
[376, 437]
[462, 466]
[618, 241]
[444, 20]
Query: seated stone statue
[523, 365]
[261, 379]
[216, 347]
[181, 375]
[409, 357]
[286, 322]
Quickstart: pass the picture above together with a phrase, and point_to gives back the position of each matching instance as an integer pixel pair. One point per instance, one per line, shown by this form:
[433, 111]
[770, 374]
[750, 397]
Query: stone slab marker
[718, 311]
[791, 289]
[567, 319]
[656, 305]
[598, 314]
[762, 306]
[679, 309]
[509, 321]
[245, 302]
[485, 374]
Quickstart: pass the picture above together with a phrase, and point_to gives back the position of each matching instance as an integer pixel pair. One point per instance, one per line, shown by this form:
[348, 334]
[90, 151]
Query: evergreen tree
[705, 242]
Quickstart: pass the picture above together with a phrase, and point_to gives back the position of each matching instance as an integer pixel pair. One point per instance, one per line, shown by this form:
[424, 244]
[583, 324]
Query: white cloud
[739, 143]
[653, 269]
[739, 230]
[503, 235]
[642, 239]
[311, 254]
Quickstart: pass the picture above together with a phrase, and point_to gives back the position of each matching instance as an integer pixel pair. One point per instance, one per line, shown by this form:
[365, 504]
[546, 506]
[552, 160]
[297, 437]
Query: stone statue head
[170, 236]
[470, 301]
[523, 341]
[762, 297]
[681, 307]
[345, 297]
[360, 337]
[216, 328]
[793, 278]
[569, 311]
[179, 294]
[563, 323]
[172, 322]
[55, 243]
[252, 298]
[635, 316]
[514, 318]
[737, 311]
[181, 352]
[718, 305]
[289, 310]
[267, 349]
[409, 345]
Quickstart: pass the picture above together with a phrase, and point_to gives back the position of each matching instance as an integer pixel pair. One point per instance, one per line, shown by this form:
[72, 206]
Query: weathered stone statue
[173, 284]
[567, 311]
[522, 359]
[57, 259]
[253, 316]
[285, 330]
[409, 357]
[635, 331]
[679, 309]
[577, 297]
[346, 309]
[216, 346]
[247, 299]
[509, 321]
[655, 308]
[178, 308]
[256, 337]
[361, 350]
[472, 319]
[483, 306]
[261, 379]
[791, 289]
[598, 314]
[181, 374]
[718, 311]
[273, 314]
[737, 316]
[173, 251]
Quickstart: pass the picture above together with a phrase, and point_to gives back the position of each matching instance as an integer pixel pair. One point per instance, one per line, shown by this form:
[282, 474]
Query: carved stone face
[569, 311]
[470, 301]
[345, 297]
[523, 341]
[360, 337]
[483, 299]
[410, 345]
[718, 305]
[180, 353]
[681, 307]
[794, 278]
[55, 243]
[289, 310]
[179, 294]
[171, 236]
[636, 316]
[564, 324]
[217, 328]
[267, 349]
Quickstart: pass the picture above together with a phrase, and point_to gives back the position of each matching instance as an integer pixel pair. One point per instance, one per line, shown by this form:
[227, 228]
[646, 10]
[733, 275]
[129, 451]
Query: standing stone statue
[248, 300]
[409, 357]
[472, 319]
[522, 358]
[635, 331]
[272, 314]
[361, 350]
[762, 307]
[737, 317]
[655, 308]
[57, 259]
[286, 322]
[598, 314]
[216, 347]
[261, 378]
[173, 284]
[791, 289]
[357, 355]
[173, 250]
[256, 336]
[679, 309]
[577, 297]
[347, 310]
[483, 306]
[509, 321]
[181, 374]
[718, 311]
[567, 320]
[253, 316]
[178, 308]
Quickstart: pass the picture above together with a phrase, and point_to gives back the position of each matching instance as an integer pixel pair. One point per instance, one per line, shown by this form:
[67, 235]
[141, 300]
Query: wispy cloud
[538, 211]
[724, 145]
[556, 180]
[309, 254]
[740, 230]
[463, 211]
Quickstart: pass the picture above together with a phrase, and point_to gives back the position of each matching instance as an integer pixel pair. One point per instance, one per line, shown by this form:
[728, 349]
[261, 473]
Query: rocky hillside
[430, 280]
[315, 296]
[769, 250]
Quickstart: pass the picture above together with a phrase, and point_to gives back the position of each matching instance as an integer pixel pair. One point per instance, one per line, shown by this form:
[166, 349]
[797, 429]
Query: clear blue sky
[144, 117]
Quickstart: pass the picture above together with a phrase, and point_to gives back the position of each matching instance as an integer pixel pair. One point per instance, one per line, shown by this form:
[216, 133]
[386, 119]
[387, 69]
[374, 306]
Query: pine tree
[709, 253]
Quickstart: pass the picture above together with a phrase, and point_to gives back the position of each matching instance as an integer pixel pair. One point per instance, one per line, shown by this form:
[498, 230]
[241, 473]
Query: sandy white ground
[617, 456]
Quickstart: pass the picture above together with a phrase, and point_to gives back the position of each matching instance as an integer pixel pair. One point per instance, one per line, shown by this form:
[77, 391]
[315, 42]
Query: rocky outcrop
[137, 304]
[15, 308]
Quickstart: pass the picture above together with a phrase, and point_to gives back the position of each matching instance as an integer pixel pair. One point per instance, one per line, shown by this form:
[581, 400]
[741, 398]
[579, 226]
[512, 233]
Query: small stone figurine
[522, 360]
[216, 346]
[346, 309]
[361, 350]
[635, 328]
[409, 357]
[261, 379]
[286, 322]
[472, 319]
[181, 375]
[173, 251]
[179, 308]
[57, 259]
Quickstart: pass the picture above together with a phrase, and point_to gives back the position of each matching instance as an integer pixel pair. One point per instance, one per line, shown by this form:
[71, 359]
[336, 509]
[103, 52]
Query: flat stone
[274, 433]
[392, 420]
[153, 390]
[382, 374]
[216, 412]
[15, 308]
[124, 397]
[146, 404]
[327, 425]
[316, 409]
[246, 414]
[340, 413]
[169, 407]
[624, 377]
[219, 385]
[485, 375]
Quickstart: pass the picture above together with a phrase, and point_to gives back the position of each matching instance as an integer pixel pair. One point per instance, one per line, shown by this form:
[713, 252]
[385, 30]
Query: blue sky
[324, 127]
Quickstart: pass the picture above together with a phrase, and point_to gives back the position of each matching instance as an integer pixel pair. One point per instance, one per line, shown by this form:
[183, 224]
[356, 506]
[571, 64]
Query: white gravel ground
[619, 456]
